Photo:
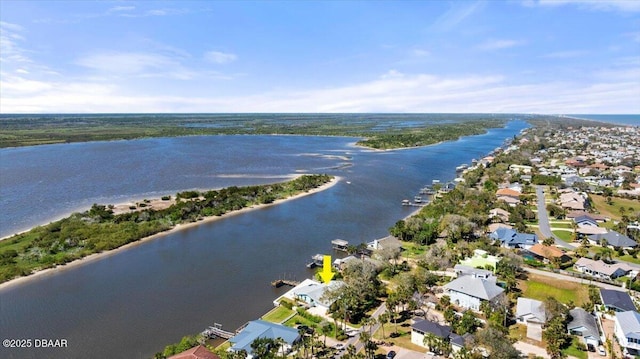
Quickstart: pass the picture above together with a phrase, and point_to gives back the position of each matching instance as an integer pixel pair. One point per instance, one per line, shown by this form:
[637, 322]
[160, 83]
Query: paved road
[543, 221]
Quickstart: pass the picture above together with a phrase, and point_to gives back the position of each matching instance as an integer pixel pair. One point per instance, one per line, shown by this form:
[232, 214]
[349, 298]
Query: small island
[103, 228]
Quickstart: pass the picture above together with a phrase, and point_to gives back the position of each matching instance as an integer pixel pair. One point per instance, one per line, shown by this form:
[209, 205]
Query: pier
[217, 332]
[280, 282]
[340, 245]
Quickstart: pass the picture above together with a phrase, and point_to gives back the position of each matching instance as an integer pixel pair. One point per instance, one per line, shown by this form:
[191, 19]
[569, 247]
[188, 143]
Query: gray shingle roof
[629, 323]
[475, 287]
[584, 322]
[617, 299]
[427, 326]
[614, 239]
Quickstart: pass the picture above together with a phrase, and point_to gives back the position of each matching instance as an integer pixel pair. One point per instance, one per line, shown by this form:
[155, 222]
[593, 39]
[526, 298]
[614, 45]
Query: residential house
[197, 352]
[573, 200]
[462, 270]
[499, 214]
[421, 328]
[614, 239]
[585, 220]
[311, 293]
[601, 269]
[510, 238]
[512, 202]
[627, 329]
[508, 192]
[584, 325]
[616, 300]
[598, 218]
[530, 311]
[481, 259]
[547, 253]
[494, 226]
[470, 291]
[261, 329]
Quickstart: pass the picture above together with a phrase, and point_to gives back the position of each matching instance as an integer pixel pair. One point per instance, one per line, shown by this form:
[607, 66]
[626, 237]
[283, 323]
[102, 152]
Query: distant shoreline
[175, 229]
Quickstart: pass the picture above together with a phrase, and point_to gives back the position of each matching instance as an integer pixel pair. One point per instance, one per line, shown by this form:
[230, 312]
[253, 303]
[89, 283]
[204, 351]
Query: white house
[627, 328]
[530, 311]
[469, 291]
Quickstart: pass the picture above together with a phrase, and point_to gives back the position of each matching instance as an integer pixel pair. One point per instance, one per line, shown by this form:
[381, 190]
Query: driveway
[534, 331]
[526, 348]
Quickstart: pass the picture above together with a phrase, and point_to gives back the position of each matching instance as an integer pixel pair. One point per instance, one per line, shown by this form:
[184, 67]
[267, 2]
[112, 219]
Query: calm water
[616, 119]
[131, 304]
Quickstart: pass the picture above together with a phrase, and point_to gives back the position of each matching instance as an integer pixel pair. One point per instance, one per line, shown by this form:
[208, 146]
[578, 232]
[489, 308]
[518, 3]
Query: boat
[405, 202]
[417, 199]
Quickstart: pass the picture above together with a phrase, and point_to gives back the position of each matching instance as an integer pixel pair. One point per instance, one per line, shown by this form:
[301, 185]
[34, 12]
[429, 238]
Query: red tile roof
[198, 352]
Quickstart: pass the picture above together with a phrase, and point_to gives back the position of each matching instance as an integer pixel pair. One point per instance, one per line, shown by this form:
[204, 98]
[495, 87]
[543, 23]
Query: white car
[601, 351]
[339, 346]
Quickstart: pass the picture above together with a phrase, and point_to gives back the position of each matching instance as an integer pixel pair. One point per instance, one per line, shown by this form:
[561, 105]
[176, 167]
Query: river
[133, 303]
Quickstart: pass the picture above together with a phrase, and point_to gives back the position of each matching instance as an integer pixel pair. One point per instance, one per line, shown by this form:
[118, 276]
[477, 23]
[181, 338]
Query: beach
[176, 228]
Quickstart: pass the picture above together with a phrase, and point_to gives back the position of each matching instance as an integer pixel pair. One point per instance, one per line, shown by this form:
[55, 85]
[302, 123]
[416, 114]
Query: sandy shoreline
[179, 227]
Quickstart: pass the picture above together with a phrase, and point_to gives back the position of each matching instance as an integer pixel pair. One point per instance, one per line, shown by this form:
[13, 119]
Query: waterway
[131, 304]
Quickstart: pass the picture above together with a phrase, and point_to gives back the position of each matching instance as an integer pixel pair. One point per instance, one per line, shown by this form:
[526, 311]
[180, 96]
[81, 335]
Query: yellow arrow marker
[326, 274]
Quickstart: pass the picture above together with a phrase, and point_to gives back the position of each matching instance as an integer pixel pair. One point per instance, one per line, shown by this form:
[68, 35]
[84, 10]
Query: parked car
[591, 348]
[339, 346]
[601, 351]
[391, 354]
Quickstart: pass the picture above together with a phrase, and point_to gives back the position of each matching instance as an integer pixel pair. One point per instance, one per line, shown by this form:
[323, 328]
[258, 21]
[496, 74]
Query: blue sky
[531, 56]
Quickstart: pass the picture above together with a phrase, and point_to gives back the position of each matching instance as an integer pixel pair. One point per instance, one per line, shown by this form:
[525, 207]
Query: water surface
[133, 303]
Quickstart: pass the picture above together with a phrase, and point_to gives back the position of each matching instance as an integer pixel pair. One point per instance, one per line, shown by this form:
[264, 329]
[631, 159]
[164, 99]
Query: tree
[496, 343]
[382, 320]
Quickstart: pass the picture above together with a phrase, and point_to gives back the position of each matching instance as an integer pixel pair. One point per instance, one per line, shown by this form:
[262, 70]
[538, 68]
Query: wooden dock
[280, 282]
[216, 331]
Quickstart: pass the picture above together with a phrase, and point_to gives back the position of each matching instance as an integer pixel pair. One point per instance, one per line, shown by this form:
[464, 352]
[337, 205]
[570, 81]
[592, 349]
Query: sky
[528, 56]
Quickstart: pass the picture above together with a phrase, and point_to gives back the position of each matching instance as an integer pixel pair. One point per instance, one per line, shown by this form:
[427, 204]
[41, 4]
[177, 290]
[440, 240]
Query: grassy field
[564, 235]
[278, 314]
[613, 210]
[404, 340]
[412, 250]
[557, 224]
[541, 287]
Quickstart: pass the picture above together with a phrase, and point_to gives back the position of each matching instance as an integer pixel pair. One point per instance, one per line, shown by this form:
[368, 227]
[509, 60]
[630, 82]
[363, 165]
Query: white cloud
[121, 9]
[218, 57]
[497, 44]
[458, 12]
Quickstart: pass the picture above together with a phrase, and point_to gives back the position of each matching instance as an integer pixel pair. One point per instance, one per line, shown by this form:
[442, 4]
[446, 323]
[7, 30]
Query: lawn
[555, 224]
[613, 210]
[404, 340]
[564, 235]
[573, 350]
[541, 287]
[628, 258]
[278, 314]
[412, 250]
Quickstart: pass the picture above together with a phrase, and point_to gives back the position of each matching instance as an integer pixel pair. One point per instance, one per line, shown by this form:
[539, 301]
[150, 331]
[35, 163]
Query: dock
[280, 282]
[316, 261]
[216, 331]
[340, 245]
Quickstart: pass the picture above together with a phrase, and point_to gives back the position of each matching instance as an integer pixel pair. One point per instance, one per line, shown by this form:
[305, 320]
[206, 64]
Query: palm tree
[382, 320]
